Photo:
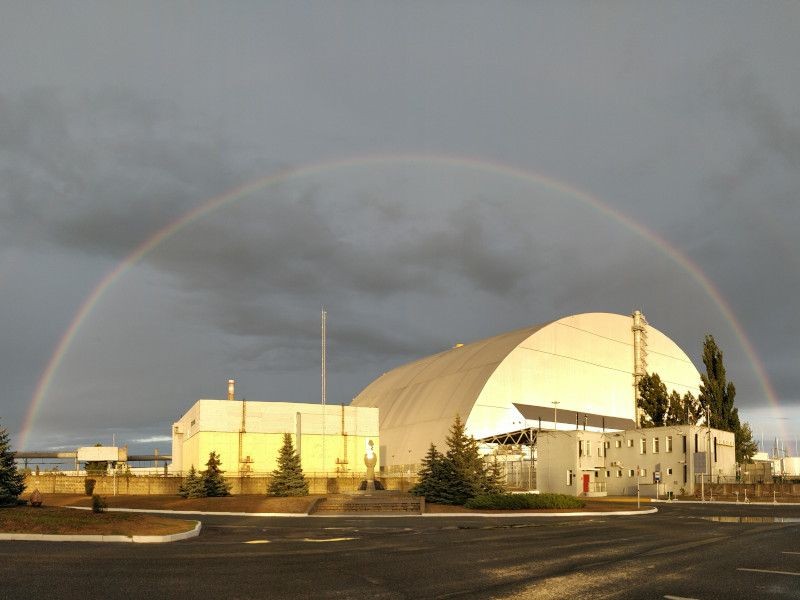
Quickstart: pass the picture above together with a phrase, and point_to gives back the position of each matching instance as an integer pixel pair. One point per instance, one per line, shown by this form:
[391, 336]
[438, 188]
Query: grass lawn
[67, 521]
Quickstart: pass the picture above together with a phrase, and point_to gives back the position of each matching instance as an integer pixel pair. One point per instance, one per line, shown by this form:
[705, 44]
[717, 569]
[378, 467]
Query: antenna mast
[324, 385]
[324, 374]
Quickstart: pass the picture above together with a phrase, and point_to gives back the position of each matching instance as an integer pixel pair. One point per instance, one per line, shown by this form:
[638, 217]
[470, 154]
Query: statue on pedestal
[370, 459]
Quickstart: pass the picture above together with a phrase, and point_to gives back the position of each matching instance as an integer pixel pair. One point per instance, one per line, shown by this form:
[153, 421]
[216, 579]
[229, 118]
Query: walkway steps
[371, 503]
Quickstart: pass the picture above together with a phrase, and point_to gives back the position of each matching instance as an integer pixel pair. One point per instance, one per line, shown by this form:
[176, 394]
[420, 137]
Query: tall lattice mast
[639, 329]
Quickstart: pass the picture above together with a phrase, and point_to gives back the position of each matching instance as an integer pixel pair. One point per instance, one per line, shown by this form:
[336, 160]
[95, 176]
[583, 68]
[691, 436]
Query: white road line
[768, 571]
[341, 539]
[790, 552]
[258, 542]
[678, 598]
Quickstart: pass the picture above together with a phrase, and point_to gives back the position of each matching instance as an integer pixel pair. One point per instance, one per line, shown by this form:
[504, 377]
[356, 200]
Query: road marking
[790, 552]
[258, 542]
[767, 571]
[341, 539]
[678, 598]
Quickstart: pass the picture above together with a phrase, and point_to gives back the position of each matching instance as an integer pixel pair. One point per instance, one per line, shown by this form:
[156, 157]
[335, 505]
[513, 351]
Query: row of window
[618, 474]
[585, 446]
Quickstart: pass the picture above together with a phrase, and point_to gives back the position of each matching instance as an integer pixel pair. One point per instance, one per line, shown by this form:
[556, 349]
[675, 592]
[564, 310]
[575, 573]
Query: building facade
[657, 461]
[247, 436]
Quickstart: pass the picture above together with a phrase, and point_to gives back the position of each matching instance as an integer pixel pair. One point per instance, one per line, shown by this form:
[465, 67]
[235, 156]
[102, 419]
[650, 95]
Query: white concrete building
[659, 460]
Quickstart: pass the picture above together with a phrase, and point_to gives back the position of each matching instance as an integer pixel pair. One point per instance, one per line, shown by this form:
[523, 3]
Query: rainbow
[480, 165]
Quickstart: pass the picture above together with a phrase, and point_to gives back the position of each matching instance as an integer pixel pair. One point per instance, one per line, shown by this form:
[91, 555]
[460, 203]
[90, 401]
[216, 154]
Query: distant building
[247, 436]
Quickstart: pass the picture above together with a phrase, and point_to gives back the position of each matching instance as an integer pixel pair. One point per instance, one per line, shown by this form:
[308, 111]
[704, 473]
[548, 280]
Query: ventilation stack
[639, 329]
[231, 389]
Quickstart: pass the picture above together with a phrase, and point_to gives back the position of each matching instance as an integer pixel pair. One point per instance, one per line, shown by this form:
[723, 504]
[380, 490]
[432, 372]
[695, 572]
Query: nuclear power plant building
[576, 372]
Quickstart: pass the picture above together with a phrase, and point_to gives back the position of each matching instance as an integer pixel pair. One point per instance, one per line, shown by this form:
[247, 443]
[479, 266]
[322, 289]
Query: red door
[585, 483]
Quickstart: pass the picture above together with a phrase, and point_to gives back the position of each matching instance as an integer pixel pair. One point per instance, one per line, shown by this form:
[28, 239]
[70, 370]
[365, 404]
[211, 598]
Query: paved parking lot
[677, 553]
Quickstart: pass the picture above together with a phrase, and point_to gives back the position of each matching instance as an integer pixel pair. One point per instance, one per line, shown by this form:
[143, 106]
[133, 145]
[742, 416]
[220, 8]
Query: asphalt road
[673, 554]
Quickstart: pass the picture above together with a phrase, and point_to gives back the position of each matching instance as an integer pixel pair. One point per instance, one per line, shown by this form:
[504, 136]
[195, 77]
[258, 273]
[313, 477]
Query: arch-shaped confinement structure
[579, 371]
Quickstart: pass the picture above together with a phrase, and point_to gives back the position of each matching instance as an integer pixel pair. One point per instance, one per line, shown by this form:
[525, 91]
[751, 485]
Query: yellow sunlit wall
[248, 435]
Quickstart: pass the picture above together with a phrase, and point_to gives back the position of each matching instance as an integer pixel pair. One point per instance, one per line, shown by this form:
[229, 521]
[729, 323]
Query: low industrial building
[247, 436]
[655, 461]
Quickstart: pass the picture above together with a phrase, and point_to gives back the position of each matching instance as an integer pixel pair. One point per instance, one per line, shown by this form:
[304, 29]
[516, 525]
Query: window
[580, 447]
[642, 446]
[570, 477]
[668, 444]
[656, 445]
[630, 472]
[715, 448]
[696, 449]
[684, 444]
[643, 473]
[599, 452]
[630, 443]
[618, 444]
[669, 470]
[619, 472]
[608, 474]
[588, 448]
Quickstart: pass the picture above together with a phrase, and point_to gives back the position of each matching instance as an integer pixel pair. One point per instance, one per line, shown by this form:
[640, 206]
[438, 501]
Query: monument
[370, 459]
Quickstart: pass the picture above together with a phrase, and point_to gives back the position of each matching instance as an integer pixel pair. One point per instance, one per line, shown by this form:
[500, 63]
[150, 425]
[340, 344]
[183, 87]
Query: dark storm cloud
[100, 173]
[115, 120]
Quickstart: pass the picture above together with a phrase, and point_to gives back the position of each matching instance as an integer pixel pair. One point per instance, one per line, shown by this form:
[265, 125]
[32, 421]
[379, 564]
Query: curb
[194, 512]
[136, 539]
[618, 513]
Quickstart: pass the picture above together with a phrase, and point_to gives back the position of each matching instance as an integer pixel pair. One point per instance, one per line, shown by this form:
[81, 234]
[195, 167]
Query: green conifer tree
[213, 481]
[11, 480]
[288, 478]
[462, 452]
[193, 486]
[717, 396]
[495, 480]
[436, 478]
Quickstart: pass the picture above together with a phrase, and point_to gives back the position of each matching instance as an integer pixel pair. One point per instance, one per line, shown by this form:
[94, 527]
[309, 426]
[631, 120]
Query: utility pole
[324, 382]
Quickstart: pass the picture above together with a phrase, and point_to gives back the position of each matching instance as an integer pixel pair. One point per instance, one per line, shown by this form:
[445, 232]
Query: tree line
[714, 406]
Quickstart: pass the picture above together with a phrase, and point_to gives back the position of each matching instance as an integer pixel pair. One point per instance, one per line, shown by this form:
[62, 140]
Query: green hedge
[522, 501]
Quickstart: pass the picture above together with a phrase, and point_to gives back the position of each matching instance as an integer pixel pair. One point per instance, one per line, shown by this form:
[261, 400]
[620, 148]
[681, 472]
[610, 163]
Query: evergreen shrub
[98, 504]
[523, 501]
[288, 478]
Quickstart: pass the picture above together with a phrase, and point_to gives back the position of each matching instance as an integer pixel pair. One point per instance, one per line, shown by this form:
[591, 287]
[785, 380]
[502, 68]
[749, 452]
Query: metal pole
[638, 473]
[324, 386]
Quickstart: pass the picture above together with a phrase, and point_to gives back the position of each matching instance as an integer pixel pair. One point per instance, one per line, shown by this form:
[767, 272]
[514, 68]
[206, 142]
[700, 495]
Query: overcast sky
[416, 162]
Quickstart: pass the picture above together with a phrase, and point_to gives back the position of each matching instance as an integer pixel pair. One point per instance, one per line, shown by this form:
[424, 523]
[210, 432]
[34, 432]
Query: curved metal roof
[585, 361]
[455, 377]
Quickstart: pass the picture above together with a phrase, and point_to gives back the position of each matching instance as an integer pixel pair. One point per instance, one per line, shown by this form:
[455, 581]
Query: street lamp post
[555, 404]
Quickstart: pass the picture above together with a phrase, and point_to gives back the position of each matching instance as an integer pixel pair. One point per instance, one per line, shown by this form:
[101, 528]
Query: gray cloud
[116, 120]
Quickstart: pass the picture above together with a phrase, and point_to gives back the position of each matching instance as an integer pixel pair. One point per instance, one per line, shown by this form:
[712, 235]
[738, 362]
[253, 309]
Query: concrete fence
[126, 485]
